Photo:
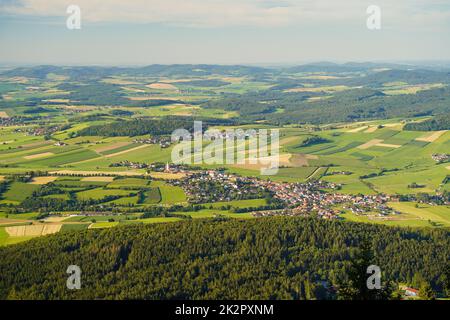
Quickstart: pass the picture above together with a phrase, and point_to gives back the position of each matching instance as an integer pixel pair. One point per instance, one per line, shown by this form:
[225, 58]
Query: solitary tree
[355, 288]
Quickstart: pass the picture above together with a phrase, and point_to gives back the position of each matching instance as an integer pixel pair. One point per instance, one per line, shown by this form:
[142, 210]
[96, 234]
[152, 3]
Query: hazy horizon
[413, 63]
[249, 32]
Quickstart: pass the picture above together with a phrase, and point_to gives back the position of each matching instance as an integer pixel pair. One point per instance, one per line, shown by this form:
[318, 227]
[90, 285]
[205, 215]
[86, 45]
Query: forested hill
[441, 122]
[89, 72]
[164, 126]
[277, 258]
[154, 127]
[346, 106]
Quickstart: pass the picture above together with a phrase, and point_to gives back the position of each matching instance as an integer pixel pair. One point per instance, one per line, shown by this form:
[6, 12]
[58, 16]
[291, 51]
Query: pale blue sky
[135, 32]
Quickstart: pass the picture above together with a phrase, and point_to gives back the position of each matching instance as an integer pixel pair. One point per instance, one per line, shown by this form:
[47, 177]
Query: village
[307, 198]
[164, 142]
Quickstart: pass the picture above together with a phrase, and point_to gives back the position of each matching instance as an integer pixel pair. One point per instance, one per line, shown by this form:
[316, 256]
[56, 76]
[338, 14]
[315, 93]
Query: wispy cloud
[220, 13]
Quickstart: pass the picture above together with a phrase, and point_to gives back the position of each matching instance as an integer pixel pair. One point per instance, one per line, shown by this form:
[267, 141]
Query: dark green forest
[441, 122]
[347, 106]
[267, 258]
[163, 126]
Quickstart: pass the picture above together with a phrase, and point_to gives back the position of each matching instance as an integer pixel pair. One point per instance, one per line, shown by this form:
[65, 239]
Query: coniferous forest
[267, 258]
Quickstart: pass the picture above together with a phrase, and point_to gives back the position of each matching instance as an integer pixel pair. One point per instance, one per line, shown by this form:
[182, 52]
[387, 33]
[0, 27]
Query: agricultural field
[77, 162]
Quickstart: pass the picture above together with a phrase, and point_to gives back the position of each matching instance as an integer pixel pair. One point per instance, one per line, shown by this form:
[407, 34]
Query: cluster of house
[6, 121]
[300, 198]
[440, 157]
[228, 134]
[157, 166]
[40, 131]
[130, 164]
[216, 185]
[222, 134]
[344, 173]
[304, 198]
[164, 142]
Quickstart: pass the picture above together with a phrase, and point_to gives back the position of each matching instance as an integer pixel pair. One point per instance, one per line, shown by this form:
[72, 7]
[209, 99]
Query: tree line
[441, 122]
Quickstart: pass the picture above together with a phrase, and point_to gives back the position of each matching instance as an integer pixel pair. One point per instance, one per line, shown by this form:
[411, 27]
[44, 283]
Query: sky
[142, 32]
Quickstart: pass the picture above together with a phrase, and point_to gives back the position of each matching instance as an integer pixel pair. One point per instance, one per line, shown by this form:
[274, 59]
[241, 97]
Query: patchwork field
[107, 173]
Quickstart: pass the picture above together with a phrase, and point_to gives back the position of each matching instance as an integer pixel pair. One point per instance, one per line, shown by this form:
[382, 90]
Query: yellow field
[99, 179]
[33, 230]
[162, 86]
[392, 125]
[6, 221]
[263, 162]
[91, 173]
[150, 98]
[133, 89]
[19, 79]
[43, 180]
[3, 114]
[387, 145]
[357, 129]
[119, 81]
[39, 155]
[80, 108]
[56, 219]
[413, 89]
[288, 140]
[369, 144]
[371, 129]
[167, 175]
[58, 100]
[319, 89]
[432, 137]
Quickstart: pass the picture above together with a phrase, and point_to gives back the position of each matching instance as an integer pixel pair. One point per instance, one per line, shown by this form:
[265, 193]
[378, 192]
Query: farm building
[411, 292]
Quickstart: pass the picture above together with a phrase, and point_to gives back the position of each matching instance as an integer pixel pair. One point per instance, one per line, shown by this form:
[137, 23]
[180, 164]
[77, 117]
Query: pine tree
[356, 287]
[426, 292]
